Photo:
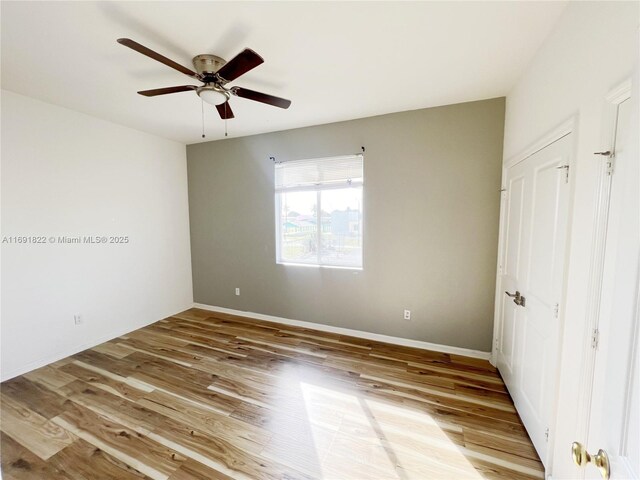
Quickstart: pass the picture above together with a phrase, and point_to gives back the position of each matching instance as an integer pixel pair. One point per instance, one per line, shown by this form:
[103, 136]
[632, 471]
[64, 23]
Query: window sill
[314, 265]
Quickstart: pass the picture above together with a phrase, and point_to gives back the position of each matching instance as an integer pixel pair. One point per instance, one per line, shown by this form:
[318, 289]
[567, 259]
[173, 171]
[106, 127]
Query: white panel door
[615, 408]
[512, 276]
[533, 265]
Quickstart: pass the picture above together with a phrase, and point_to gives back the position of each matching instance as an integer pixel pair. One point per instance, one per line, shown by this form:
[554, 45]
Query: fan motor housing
[208, 64]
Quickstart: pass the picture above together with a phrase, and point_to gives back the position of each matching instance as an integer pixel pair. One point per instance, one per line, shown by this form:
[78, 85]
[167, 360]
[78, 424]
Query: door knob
[581, 458]
[517, 298]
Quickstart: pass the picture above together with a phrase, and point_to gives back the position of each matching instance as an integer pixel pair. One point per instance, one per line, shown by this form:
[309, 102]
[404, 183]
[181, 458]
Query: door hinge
[610, 165]
[566, 172]
[610, 156]
[546, 435]
[595, 338]
[556, 310]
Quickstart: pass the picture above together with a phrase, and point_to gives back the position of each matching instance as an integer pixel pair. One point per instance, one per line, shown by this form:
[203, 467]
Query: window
[319, 211]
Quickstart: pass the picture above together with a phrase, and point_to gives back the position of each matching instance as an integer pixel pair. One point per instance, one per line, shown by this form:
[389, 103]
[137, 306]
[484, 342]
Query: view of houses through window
[322, 227]
[321, 224]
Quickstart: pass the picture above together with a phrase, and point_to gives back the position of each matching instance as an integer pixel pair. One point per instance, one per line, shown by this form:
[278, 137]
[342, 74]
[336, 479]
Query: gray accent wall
[431, 211]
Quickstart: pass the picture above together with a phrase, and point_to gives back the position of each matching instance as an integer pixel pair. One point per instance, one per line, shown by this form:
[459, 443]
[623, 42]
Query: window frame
[318, 188]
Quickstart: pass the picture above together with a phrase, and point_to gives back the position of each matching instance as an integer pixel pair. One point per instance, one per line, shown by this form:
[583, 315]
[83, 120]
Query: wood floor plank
[221, 455]
[111, 406]
[422, 400]
[192, 470]
[49, 376]
[193, 345]
[458, 377]
[311, 336]
[128, 446]
[19, 462]
[112, 349]
[88, 462]
[122, 367]
[191, 387]
[302, 448]
[120, 386]
[206, 395]
[437, 393]
[522, 447]
[35, 396]
[508, 460]
[160, 350]
[236, 432]
[200, 339]
[31, 430]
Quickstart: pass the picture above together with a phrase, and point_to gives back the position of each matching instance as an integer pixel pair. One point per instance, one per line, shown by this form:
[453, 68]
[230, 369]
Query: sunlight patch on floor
[383, 440]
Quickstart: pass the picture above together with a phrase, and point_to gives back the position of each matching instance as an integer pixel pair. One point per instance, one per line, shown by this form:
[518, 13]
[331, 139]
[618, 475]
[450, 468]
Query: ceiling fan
[215, 73]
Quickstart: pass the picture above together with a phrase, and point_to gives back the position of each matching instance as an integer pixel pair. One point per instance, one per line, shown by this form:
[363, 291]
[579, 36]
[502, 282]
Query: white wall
[66, 173]
[593, 48]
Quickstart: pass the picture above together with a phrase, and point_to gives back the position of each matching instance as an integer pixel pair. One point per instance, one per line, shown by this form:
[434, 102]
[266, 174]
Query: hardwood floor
[204, 395]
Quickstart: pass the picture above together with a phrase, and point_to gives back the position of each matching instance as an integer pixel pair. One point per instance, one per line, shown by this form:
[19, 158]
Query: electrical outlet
[237, 291]
[77, 319]
[407, 314]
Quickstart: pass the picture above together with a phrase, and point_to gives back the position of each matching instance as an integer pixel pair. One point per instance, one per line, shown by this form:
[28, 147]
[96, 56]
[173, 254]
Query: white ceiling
[334, 60]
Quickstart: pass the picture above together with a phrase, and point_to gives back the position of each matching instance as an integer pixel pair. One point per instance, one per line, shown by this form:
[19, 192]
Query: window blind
[319, 172]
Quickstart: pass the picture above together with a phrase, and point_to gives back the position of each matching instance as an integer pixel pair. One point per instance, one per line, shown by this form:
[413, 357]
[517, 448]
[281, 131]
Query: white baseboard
[466, 352]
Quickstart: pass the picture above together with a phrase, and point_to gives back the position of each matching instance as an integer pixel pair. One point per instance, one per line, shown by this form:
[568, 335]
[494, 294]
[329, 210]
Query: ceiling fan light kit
[214, 72]
[212, 95]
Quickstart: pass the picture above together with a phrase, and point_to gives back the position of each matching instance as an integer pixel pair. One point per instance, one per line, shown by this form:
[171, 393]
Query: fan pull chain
[202, 105]
[226, 134]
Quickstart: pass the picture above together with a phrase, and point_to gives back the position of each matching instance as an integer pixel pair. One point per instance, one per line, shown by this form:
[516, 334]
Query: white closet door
[533, 265]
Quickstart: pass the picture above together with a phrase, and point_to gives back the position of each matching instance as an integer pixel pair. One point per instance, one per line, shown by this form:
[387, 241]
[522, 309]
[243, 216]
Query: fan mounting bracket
[207, 65]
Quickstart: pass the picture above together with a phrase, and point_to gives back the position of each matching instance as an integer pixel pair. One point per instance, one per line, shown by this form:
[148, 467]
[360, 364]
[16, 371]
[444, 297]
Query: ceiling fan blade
[261, 97]
[127, 42]
[240, 64]
[165, 91]
[225, 111]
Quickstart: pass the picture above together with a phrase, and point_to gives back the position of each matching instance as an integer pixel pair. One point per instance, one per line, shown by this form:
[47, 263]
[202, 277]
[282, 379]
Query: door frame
[565, 128]
[598, 249]
[562, 130]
